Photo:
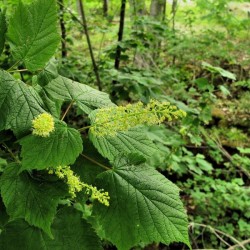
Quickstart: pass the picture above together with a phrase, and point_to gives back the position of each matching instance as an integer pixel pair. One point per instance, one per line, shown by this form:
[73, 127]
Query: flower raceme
[75, 185]
[109, 121]
[43, 125]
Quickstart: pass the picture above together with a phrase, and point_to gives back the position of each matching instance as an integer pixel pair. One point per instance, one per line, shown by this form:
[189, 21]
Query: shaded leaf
[4, 217]
[48, 73]
[32, 33]
[86, 166]
[79, 234]
[69, 229]
[18, 234]
[61, 147]
[19, 104]
[219, 70]
[3, 29]
[203, 164]
[53, 106]
[26, 198]
[224, 90]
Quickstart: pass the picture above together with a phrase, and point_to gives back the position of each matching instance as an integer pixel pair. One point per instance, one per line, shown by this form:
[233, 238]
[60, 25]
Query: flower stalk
[76, 185]
[109, 121]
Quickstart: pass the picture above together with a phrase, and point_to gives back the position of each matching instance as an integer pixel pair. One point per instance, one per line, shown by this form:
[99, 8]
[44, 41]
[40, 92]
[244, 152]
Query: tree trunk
[156, 9]
[137, 8]
[118, 48]
[157, 12]
[120, 34]
[164, 11]
[137, 11]
[173, 11]
[105, 8]
[63, 29]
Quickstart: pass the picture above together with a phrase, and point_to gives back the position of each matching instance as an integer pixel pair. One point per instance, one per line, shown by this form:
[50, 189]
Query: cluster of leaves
[215, 95]
[37, 211]
[201, 156]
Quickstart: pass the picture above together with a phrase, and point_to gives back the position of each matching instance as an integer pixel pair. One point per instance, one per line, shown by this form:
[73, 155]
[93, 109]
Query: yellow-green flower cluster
[100, 195]
[109, 121]
[75, 185]
[43, 125]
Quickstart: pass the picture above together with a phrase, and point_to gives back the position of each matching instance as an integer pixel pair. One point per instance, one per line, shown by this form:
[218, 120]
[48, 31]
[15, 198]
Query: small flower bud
[43, 125]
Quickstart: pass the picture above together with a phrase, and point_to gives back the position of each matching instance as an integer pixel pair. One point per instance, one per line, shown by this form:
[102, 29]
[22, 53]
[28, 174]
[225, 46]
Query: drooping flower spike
[75, 185]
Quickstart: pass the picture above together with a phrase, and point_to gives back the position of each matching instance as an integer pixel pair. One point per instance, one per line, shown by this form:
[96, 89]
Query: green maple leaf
[26, 198]
[132, 141]
[32, 33]
[49, 73]
[85, 97]
[69, 229]
[19, 104]
[79, 234]
[61, 147]
[144, 207]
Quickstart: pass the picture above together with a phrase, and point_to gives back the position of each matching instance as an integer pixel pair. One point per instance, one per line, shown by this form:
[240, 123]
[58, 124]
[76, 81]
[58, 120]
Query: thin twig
[193, 239]
[85, 27]
[225, 153]
[221, 239]
[71, 13]
[18, 70]
[67, 110]
[94, 161]
[84, 128]
[83, 23]
[10, 152]
[16, 63]
[213, 230]
[244, 242]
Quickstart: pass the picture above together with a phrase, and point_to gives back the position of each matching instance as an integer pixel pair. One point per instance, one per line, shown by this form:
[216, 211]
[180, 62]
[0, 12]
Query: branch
[63, 29]
[18, 70]
[244, 242]
[15, 64]
[84, 128]
[67, 110]
[225, 153]
[216, 232]
[94, 161]
[120, 34]
[83, 23]
[85, 27]
[10, 152]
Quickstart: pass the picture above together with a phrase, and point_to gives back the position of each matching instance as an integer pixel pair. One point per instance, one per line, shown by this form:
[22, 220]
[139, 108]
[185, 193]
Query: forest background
[193, 54]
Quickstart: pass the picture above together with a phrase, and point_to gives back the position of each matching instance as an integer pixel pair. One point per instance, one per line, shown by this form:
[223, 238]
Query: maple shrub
[64, 187]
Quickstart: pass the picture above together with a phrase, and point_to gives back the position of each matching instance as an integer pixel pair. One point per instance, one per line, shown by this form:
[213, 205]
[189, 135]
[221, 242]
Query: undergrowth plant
[68, 188]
